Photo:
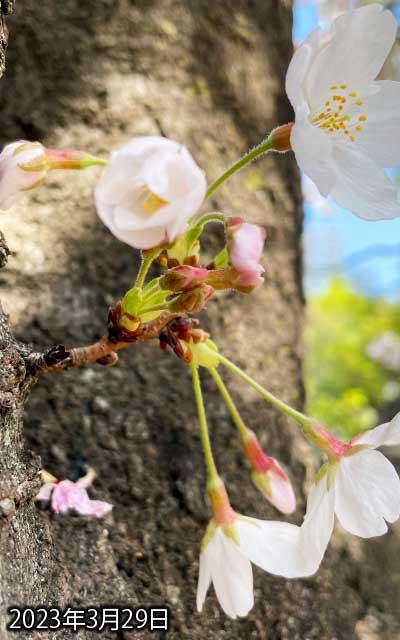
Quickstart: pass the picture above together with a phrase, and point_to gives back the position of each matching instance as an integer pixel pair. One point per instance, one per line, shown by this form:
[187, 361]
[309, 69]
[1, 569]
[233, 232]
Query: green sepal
[230, 531]
[221, 259]
[132, 301]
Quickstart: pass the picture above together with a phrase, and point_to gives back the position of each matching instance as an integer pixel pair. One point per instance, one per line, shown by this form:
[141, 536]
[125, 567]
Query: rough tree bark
[92, 74]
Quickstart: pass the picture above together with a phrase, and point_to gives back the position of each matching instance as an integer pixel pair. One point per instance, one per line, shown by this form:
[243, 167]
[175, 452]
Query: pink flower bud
[25, 165]
[245, 246]
[268, 475]
[14, 177]
[183, 277]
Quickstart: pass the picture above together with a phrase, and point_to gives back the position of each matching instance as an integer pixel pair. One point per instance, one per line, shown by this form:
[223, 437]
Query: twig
[102, 352]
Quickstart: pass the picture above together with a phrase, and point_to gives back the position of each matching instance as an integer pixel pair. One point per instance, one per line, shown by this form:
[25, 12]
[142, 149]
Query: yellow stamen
[343, 86]
[352, 94]
[352, 138]
[359, 103]
[153, 203]
[334, 87]
[358, 127]
[362, 118]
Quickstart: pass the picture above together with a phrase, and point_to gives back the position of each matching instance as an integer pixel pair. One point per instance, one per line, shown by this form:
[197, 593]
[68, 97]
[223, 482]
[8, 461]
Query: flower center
[340, 113]
[152, 202]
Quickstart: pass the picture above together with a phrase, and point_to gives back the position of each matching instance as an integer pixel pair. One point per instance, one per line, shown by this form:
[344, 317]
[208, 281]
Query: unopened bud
[268, 475]
[192, 300]
[25, 165]
[183, 277]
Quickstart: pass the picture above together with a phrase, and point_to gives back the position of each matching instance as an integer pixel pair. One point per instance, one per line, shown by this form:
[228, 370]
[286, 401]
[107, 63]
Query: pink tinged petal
[361, 186]
[367, 493]
[62, 496]
[45, 491]
[380, 135]
[204, 576]
[282, 494]
[317, 527]
[245, 245]
[96, 508]
[232, 577]
[313, 151]
[387, 434]
[70, 496]
[14, 179]
[360, 43]
[272, 546]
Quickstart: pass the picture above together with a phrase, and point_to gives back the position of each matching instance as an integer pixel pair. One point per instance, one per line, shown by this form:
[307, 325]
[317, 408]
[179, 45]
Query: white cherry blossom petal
[387, 434]
[361, 186]
[272, 546]
[360, 43]
[232, 576]
[204, 581]
[367, 493]
[313, 151]
[380, 137]
[316, 530]
[298, 68]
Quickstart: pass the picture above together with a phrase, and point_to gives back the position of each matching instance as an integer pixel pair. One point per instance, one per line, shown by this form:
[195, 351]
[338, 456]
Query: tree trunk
[93, 74]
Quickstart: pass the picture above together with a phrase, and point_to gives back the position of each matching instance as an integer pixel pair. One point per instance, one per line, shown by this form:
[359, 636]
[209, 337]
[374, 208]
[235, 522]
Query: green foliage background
[345, 387]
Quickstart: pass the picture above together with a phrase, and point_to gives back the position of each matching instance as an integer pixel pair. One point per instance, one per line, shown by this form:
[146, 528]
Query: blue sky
[367, 253]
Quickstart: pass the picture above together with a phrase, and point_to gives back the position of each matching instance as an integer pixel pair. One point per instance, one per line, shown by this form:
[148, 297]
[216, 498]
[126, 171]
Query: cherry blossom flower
[72, 496]
[347, 126]
[24, 165]
[268, 475]
[148, 192]
[245, 246]
[231, 543]
[358, 483]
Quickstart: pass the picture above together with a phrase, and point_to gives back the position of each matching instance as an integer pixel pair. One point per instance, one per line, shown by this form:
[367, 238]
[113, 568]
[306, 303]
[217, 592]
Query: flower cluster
[346, 131]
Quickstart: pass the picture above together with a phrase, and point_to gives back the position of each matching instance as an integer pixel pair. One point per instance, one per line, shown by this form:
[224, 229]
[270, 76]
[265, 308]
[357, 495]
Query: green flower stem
[259, 150]
[241, 427]
[212, 473]
[147, 258]
[211, 217]
[303, 420]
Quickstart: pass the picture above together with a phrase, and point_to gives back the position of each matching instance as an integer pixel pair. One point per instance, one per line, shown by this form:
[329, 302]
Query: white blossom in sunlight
[228, 551]
[358, 484]
[148, 191]
[347, 124]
